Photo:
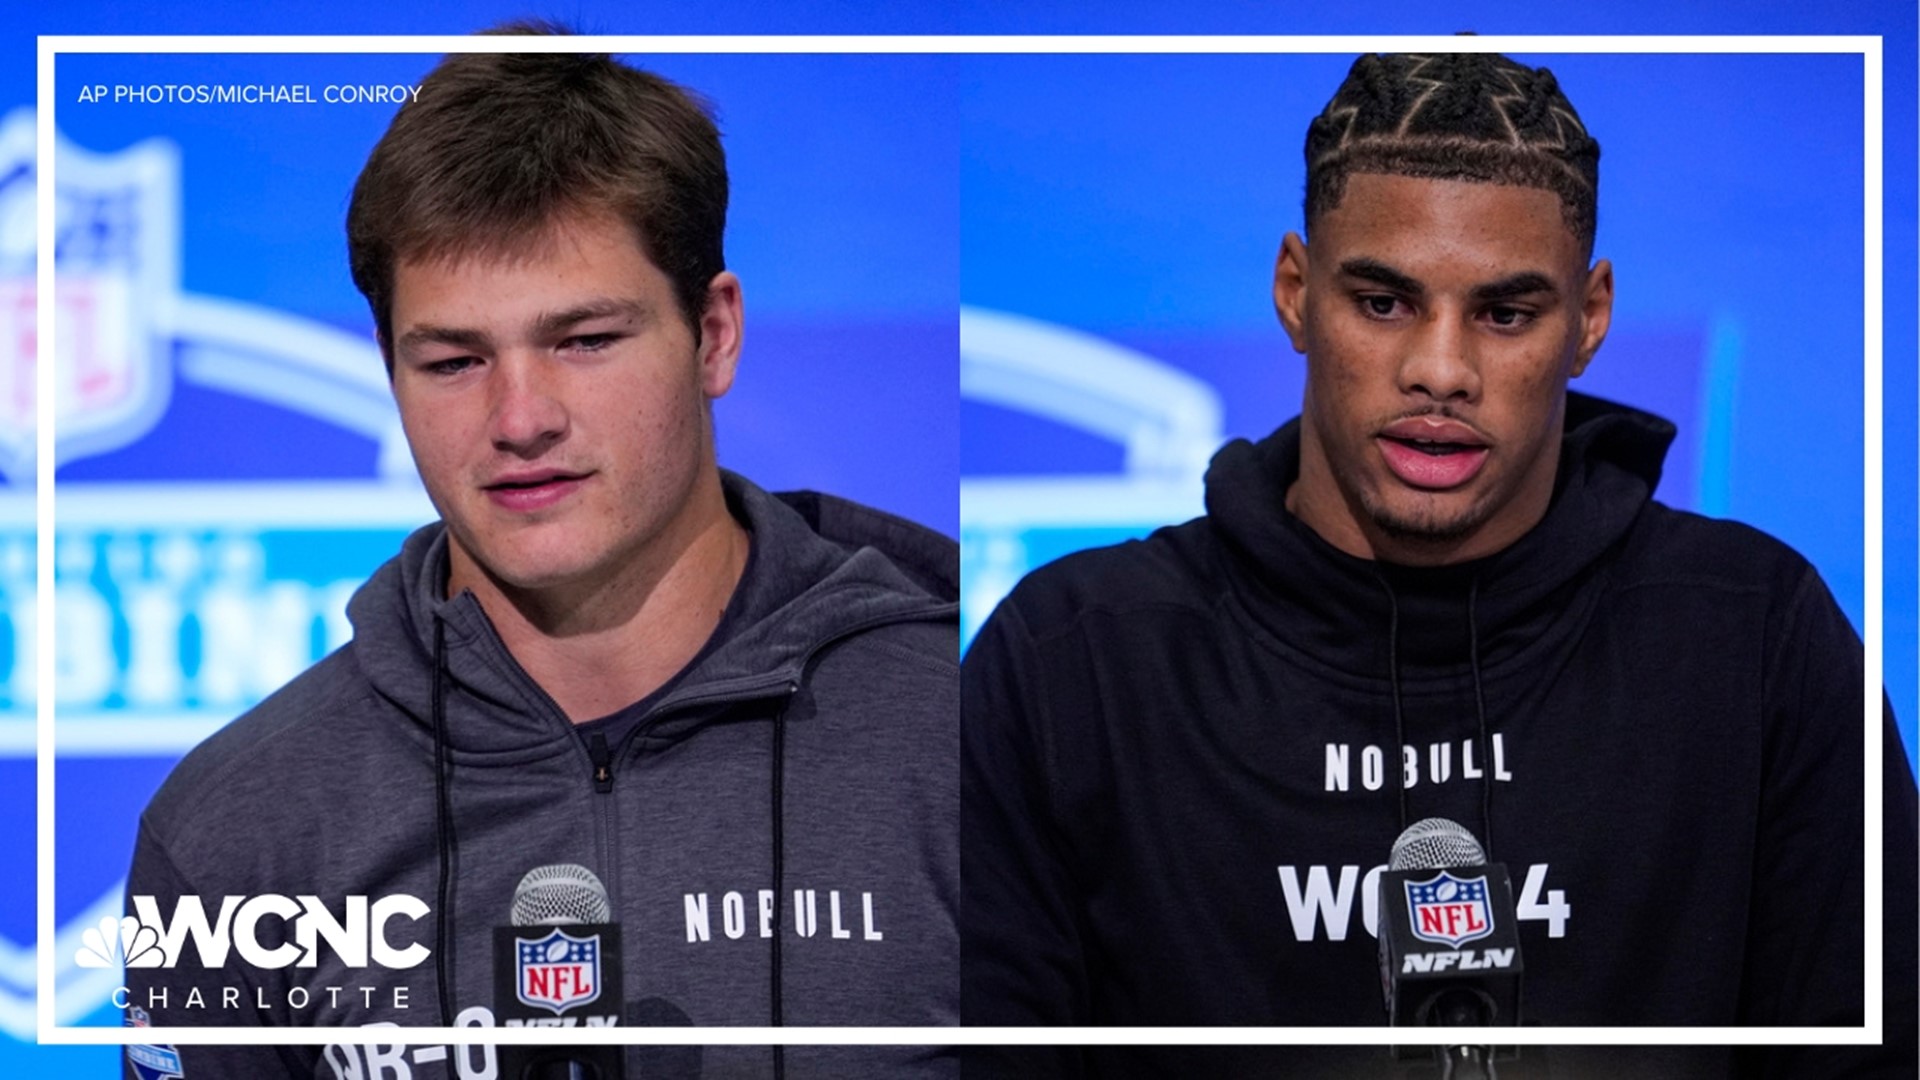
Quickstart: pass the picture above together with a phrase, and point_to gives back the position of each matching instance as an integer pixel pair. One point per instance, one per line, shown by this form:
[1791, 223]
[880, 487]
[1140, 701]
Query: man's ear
[722, 327]
[1290, 289]
[1596, 314]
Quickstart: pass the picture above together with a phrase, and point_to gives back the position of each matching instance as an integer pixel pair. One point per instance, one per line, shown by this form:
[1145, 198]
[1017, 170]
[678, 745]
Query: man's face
[557, 403]
[1441, 321]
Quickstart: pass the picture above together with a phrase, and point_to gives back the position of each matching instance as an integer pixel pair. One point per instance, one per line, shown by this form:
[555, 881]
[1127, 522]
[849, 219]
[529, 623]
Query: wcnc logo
[358, 938]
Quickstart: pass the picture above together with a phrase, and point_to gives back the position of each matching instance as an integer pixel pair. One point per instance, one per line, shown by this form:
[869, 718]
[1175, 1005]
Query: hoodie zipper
[602, 763]
[603, 757]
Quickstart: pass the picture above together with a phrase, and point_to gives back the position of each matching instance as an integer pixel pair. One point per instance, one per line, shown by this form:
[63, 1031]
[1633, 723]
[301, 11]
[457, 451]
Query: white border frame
[1869, 48]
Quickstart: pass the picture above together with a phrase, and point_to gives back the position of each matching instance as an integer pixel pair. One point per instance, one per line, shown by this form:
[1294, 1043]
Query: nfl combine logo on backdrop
[189, 585]
[1450, 910]
[558, 971]
[117, 253]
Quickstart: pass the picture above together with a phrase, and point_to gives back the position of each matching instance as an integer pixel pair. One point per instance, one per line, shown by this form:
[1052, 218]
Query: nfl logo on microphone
[558, 971]
[1450, 910]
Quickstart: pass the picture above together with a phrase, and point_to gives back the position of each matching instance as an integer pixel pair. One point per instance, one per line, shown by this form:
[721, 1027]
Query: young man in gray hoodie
[723, 720]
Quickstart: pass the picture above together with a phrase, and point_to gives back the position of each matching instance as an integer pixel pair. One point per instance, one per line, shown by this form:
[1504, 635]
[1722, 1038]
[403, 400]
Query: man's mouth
[527, 481]
[1437, 449]
[1432, 453]
[533, 490]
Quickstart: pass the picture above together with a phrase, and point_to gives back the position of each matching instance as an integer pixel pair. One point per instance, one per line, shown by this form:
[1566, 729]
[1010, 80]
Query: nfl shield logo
[1450, 910]
[117, 269]
[558, 971]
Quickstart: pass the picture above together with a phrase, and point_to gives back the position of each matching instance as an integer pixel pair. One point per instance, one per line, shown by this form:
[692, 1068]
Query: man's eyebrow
[1525, 283]
[458, 337]
[1381, 274]
[557, 322]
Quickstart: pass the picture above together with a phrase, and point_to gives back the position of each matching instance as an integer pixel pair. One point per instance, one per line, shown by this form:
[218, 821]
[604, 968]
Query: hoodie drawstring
[779, 840]
[1399, 711]
[1480, 708]
[443, 823]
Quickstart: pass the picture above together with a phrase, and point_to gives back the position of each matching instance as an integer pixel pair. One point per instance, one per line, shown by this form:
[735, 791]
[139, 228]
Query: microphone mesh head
[1435, 844]
[560, 895]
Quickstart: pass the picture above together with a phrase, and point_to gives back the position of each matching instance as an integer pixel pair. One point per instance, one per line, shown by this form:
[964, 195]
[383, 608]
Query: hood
[1336, 608]
[824, 569]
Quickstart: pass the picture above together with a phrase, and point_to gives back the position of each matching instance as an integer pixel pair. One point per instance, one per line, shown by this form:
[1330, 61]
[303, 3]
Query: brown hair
[496, 146]
[1455, 116]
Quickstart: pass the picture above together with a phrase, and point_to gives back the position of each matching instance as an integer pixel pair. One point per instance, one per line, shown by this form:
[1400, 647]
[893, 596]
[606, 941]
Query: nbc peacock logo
[125, 941]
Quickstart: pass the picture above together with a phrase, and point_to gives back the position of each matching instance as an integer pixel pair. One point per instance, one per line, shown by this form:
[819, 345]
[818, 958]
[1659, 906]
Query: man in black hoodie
[1442, 591]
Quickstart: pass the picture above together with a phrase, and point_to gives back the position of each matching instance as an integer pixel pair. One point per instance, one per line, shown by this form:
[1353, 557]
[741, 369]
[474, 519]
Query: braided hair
[1454, 116]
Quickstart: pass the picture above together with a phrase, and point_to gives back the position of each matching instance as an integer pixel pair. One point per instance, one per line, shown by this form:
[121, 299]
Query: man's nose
[1440, 362]
[528, 413]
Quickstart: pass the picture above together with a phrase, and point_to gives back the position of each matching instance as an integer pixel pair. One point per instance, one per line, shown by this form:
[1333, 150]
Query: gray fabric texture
[327, 789]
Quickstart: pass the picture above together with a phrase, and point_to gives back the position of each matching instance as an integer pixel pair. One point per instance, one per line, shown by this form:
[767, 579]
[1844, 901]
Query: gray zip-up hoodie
[777, 835]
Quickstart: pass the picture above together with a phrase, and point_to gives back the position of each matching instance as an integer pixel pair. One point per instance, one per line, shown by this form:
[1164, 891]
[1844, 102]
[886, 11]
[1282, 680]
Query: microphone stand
[1465, 1062]
[1463, 1008]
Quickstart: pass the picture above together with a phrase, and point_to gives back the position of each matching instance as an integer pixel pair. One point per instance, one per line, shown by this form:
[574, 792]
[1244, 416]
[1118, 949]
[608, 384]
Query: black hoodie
[1183, 757]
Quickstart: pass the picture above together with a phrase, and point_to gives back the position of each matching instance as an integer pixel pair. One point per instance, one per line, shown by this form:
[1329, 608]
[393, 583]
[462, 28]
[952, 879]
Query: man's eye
[1509, 316]
[453, 365]
[1379, 305]
[589, 342]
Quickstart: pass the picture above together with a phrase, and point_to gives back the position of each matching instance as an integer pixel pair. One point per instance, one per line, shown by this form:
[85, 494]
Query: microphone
[1449, 942]
[560, 895]
[558, 965]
